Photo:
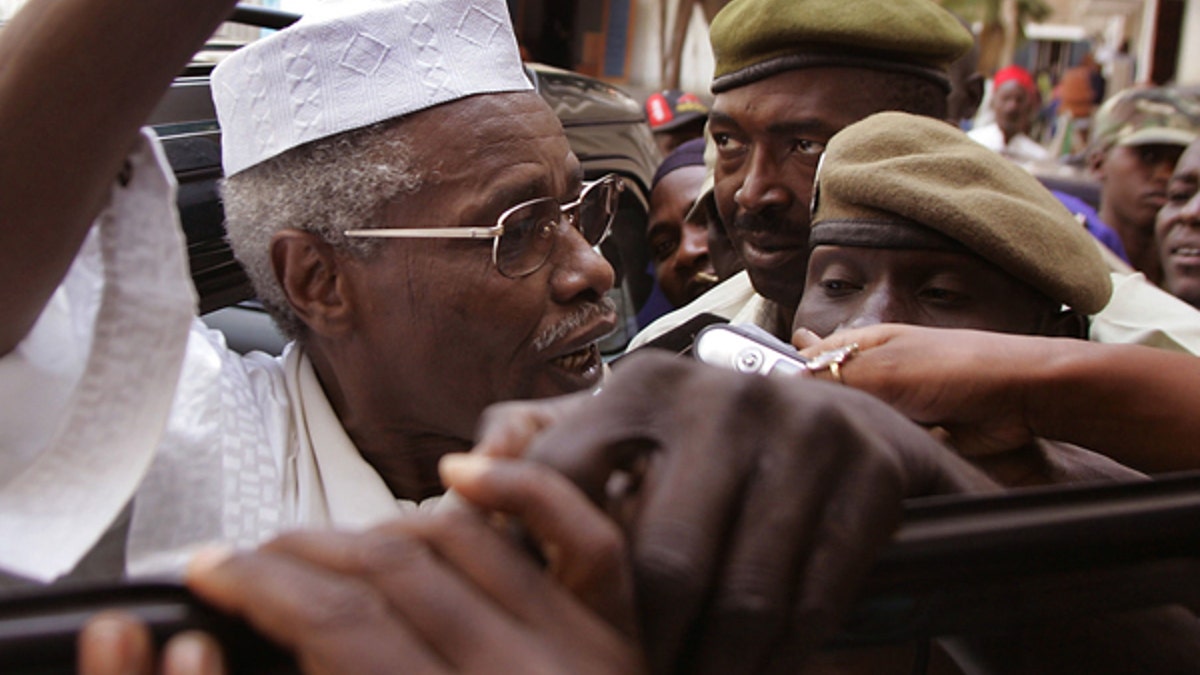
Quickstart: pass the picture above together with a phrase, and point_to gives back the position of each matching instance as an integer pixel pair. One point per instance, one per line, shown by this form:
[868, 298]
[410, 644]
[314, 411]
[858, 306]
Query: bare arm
[1136, 404]
[77, 78]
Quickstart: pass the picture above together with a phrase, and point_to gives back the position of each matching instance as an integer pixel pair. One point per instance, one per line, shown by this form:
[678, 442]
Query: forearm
[77, 78]
[1138, 405]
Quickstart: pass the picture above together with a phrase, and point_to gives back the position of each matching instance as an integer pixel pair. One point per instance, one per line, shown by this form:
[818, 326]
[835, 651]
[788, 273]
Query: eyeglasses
[524, 235]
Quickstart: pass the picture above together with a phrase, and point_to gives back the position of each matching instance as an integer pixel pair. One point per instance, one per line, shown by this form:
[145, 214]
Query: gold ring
[835, 369]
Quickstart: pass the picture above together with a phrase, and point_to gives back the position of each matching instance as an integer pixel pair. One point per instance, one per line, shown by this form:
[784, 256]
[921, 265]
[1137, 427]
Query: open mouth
[584, 362]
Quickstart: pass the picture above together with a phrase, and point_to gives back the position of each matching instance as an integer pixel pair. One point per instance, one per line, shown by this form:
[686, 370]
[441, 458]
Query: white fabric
[1142, 313]
[1020, 148]
[1138, 313]
[92, 410]
[238, 448]
[351, 64]
[733, 299]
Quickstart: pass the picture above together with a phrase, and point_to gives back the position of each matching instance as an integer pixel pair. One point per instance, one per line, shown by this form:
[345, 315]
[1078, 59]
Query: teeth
[577, 361]
[1188, 251]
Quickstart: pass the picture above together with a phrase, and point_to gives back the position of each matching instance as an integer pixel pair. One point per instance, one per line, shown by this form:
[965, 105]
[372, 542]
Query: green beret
[901, 169]
[754, 39]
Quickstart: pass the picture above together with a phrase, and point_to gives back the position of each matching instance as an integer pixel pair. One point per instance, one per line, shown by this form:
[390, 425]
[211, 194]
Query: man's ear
[308, 270]
[1095, 163]
[974, 86]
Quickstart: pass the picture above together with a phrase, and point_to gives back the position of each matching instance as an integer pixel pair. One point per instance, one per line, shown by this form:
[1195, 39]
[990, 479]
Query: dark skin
[429, 593]
[680, 248]
[769, 135]
[1133, 187]
[854, 287]
[1002, 390]
[65, 145]
[1177, 229]
[412, 343]
[704, 488]
[1013, 106]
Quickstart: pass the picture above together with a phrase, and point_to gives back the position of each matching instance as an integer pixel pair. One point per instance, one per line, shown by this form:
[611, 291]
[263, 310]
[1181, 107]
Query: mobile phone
[747, 348]
[39, 629]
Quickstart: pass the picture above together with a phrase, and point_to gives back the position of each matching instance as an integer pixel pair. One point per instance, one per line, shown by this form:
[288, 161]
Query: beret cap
[347, 65]
[899, 168]
[754, 39]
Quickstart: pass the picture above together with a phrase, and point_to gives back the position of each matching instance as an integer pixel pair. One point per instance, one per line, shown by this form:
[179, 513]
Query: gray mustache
[572, 322]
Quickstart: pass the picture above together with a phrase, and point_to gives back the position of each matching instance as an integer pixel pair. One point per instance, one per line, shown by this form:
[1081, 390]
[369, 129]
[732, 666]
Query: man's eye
[944, 296]
[1180, 196]
[805, 146]
[837, 287]
[726, 143]
[663, 247]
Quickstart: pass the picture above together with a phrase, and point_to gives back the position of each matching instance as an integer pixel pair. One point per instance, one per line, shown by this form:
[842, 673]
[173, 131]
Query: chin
[778, 286]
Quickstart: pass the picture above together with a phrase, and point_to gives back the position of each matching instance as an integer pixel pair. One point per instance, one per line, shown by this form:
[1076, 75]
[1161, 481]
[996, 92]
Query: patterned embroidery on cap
[364, 54]
[304, 93]
[260, 105]
[433, 74]
[478, 26]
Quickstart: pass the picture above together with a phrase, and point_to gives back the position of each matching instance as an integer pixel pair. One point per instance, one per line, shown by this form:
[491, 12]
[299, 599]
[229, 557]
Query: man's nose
[762, 185]
[880, 306]
[693, 247]
[1191, 211]
[579, 269]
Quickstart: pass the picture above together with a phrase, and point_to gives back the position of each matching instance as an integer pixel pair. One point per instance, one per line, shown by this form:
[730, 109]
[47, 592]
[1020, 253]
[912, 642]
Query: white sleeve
[1142, 313]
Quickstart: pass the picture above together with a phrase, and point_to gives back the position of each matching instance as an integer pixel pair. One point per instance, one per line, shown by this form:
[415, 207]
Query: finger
[584, 547]
[803, 338]
[193, 653]
[506, 429]
[462, 588]
[865, 338]
[824, 496]
[112, 643]
[334, 623]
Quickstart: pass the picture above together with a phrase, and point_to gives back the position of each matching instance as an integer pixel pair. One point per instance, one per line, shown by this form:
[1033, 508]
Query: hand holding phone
[748, 349]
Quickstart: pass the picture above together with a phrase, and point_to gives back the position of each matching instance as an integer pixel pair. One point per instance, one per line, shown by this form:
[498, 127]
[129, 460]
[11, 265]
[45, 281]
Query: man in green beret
[915, 223]
[789, 75]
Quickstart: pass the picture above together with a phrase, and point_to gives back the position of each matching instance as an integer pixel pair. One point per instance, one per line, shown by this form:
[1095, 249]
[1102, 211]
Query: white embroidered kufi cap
[352, 64]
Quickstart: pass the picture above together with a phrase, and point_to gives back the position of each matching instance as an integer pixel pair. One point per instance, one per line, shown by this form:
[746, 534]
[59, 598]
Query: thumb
[804, 338]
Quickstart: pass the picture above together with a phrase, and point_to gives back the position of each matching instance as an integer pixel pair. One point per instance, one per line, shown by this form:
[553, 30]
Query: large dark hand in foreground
[754, 506]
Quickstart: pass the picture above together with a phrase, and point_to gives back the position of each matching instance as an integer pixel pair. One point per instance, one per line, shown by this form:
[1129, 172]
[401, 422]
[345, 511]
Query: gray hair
[325, 187]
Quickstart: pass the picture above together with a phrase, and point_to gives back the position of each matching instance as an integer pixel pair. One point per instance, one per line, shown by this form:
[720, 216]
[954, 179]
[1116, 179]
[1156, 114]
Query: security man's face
[679, 248]
[1178, 229]
[769, 136]
[854, 287]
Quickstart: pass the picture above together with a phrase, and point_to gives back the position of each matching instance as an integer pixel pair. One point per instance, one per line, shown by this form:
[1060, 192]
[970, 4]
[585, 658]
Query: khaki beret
[898, 168]
[754, 39]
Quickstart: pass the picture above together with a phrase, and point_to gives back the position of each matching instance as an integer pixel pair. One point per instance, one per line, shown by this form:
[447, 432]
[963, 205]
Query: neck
[407, 461]
[1138, 243]
[404, 454]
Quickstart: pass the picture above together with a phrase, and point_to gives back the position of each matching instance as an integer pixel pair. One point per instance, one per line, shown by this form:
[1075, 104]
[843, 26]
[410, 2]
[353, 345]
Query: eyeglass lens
[529, 230]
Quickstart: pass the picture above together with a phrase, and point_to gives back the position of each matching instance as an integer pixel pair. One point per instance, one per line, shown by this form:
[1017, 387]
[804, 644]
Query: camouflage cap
[896, 169]
[754, 39]
[1145, 116]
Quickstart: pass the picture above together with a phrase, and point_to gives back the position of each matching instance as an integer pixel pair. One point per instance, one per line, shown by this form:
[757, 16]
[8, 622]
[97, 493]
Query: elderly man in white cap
[407, 207]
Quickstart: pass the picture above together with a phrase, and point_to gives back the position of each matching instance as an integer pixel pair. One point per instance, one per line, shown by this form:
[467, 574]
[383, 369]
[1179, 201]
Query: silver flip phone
[747, 348]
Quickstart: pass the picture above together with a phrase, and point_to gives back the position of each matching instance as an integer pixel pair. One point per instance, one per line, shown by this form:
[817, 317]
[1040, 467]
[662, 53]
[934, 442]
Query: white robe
[120, 392]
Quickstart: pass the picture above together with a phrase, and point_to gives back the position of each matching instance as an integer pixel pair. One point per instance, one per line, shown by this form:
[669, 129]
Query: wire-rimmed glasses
[524, 235]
